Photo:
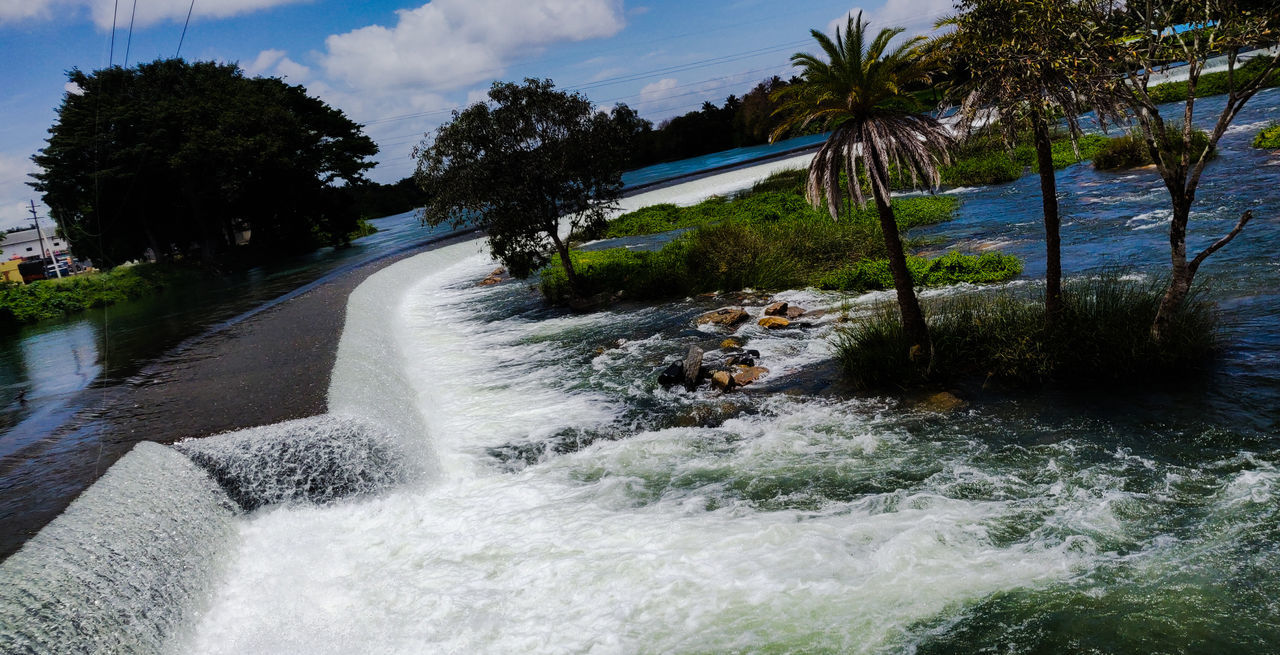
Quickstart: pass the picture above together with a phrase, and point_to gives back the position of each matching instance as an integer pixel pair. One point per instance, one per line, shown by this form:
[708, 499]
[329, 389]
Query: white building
[26, 243]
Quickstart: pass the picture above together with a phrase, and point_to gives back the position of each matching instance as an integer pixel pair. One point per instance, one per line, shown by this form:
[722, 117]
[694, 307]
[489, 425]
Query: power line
[129, 44]
[184, 29]
[111, 54]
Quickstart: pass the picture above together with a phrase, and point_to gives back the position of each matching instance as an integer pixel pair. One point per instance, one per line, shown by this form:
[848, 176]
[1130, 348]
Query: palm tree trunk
[1052, 220]
[912, 317]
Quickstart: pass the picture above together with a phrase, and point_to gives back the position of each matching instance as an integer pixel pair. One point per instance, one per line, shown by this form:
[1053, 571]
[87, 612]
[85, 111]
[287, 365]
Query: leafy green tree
[181, 158]
[1023, 63]
[858, 94]
[1218, 27]
[517, 165]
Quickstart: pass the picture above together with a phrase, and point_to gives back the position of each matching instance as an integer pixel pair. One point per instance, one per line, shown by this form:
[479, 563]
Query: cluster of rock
[729, 367]
[776, 315]
[493, 278]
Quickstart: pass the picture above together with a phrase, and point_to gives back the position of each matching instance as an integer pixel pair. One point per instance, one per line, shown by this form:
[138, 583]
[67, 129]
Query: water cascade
[121, 568]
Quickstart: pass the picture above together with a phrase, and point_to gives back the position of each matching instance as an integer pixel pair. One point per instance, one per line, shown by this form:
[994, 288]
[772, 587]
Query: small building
[9, 271]
[26, 244]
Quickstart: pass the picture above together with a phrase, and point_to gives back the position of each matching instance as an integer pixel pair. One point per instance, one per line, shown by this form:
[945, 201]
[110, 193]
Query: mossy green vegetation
[1213, 84]
[1131, 151]
[766, 239]
[50, 299]
[1103, 335]
[985, 159]
[1268, 138]
[776, 199]
[951, 268]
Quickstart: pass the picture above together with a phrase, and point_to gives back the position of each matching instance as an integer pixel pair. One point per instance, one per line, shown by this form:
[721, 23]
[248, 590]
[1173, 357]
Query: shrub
[51, 299]
[1103, 335]
[1130, 151]
[1268, 138]
[951, 268]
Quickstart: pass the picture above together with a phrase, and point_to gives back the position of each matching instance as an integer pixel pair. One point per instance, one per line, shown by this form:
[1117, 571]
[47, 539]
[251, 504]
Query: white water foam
[645, 544]
[119, 570]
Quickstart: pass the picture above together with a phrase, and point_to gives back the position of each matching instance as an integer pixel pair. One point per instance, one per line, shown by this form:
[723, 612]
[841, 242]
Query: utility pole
[40, 233]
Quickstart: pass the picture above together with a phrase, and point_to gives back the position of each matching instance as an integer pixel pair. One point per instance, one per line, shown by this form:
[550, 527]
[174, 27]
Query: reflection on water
[51, 366]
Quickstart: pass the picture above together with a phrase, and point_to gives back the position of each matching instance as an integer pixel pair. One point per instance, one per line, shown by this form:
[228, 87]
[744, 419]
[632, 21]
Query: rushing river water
[498, 477]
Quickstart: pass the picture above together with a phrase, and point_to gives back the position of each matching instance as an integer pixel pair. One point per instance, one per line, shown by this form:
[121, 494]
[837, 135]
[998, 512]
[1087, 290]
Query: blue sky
[400, 67]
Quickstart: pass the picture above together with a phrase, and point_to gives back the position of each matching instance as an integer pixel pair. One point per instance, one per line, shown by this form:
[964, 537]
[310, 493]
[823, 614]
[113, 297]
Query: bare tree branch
[1217, 245]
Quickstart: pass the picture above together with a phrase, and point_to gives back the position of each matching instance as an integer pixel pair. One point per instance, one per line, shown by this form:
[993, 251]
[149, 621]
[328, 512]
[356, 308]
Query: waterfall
[119, 570]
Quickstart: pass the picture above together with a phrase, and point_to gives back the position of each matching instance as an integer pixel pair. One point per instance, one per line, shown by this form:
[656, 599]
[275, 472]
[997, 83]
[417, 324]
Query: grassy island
[1102, 336]
[767, 238]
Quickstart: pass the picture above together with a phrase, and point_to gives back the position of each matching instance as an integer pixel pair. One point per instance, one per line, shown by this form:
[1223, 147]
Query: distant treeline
[373, 200]
[739, 122]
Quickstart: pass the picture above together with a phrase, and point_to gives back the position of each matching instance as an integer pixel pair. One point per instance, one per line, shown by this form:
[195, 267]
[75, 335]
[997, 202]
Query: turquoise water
[716, 160]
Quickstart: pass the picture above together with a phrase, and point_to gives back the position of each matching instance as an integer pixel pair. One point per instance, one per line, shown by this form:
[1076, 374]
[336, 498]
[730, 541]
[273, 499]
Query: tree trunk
[1052, 221]
[1181, 274]
[563, 249]
[912, 317]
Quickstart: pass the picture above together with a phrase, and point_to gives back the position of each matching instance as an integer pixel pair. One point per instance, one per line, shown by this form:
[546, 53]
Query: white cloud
[448, 44]
[15, 10]
[657, 91]
[263, 63]
[14, 192]
[148, 12]
[917, 16]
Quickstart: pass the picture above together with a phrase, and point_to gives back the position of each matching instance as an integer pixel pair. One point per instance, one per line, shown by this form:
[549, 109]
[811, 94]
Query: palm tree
[1024, 61]
[859, 95]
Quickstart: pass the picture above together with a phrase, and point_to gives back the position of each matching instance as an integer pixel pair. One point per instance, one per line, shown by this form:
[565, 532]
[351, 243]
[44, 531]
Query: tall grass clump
[1131, 151]
[1103, 336]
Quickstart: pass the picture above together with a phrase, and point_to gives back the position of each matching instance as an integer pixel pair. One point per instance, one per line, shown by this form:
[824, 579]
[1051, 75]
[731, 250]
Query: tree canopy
[517, 164]
[186, 159]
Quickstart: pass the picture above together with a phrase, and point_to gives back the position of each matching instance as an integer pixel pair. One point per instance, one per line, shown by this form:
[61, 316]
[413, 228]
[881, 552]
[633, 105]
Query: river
[495, 476]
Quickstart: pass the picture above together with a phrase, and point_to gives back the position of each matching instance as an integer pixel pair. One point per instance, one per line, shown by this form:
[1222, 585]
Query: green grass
[1268, 138]
[765, 240]
[1212, 84]
[772, 201]
[50, 299]
[1103, 336]
[951, 268]
[1131, 151]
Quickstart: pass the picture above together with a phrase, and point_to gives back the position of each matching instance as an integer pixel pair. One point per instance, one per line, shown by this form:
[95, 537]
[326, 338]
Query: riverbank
[265, 366]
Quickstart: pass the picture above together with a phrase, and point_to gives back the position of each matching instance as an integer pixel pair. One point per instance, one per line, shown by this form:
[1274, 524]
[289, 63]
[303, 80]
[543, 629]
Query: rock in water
[673, 374]
[942, 403]
[776, 309]
[748, 374]
[772, 322]
[722, 380]
[794, 312]
[725, 316]
[692, 366]
[730, 343]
